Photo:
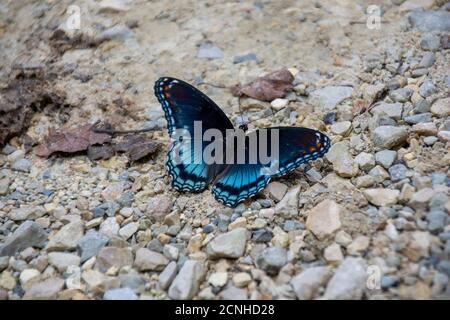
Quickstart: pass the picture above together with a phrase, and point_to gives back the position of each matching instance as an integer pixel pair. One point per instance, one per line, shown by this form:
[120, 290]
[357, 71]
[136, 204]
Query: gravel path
[368, 221]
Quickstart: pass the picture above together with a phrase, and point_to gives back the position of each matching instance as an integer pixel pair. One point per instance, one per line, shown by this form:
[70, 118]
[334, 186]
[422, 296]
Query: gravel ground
[368, 221]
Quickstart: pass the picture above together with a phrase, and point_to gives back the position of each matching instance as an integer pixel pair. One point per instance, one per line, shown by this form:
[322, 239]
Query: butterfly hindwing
[295, 147]
[183, 105]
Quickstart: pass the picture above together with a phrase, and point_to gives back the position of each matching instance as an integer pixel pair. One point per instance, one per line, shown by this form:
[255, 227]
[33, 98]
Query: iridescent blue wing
[295, 146]
[183, 104]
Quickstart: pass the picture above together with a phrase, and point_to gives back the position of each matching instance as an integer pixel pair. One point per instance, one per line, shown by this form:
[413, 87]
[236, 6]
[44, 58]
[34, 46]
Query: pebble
[365, 161]
[358, 246]
[333, 253]
[109, 227]
[218, 279]
[91, 244]
[343, 238]
[113, 6]
[166, 277]
[398, 172]
[67, 237]
[425, 129]
[228, 245]
[241, 279]
[114, 257]
[45, 290]
[28, 234]
[279, 104]
[348, 282]
[430, 20]
[22, 165]
[401, 95]
[147, 260]
[307, 283]
[288, 206]
[277, 190]
[436, 220]
[158, 207]
[428, 60]
[430, 42]
[418, 118]
[245, 58]
[329, 97]
[441, 107]
[120, 294]
[209, 51]
[7, 281]
[427, 88]
[171, 252]
[392, 110]
[62, 260]
[341, 128]
[382, 197]
[385, 158]
[421, 198]
[272, 259]
[387, 137]
[233, 293]
[323, 220]
[128, 230]
[187, 282]
[28, 275]
[117, 32]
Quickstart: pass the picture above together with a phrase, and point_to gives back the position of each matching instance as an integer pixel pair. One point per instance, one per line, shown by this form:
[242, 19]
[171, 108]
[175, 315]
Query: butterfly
[232, 181]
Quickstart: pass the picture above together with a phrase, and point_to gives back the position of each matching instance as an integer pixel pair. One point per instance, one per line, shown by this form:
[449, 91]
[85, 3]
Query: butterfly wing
[183, 105]
[295, 146]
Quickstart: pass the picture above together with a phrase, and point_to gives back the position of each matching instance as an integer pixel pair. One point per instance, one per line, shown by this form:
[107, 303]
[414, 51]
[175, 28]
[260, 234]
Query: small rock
[117, 32]
[61, 260]
[113, 6]
[307, 284]
[358, 246]
[323, 220]
[428, 60]
[27, 275]
[387, 137]
[279, 104]
[67, 237]
[341, 128]
[233, 293]
[418, 118]
[329, 97]
[114, 257]
[187, 281]
[109, 227]
[218, 279]
[401, 95]
[365, 161]
[272, 259]
[158, 207]
[22, 165]
[228, 245]
[392, 110]
[166, 277]
[385, 158]
[28, 234]
[349, 280]
[421, 198]
[209, 51]
[430, 20]
[45, 290]
[430, 42]
[245, 58]
[120, 294]
[128, 230]
[382, 197]
[398, 172]
[91, 244]
[333, 253]
[288, 206]
[441, 107]
[427, 88]
[7, 281]
[147, 260]
[277, 190]
[241, 279]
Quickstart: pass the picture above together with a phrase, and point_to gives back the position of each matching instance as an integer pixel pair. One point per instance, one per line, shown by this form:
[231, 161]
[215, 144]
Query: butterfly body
[240, 165]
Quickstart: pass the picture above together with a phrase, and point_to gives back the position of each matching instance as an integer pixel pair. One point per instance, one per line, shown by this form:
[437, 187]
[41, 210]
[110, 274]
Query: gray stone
[436, 220]
[272, 259]
[428, 60]
[418, 118]
[308, 283]
[387, 137]
[120, 294]
[233, 293]
[349, 280]
[392, 110]
[22, 165]
[429, 141]
[45, 290]
[430, 42]
[118, 32]
[398, 172]
[91, 244]
[28, 234]
[166, 277]
[444, 267]
[114, 257]
[430, 20]
[245, 58]
[187, 282]
[209, 51]
[329, 97]
[401, 95]
[62, 260]
[147, 260]
[385, 158]
[427, 88]
[228, 245]
[67, 237]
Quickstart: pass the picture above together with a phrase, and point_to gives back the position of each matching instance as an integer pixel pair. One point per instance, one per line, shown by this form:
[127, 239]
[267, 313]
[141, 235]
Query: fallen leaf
[137, 146]
[266, 88]
[71, 140]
